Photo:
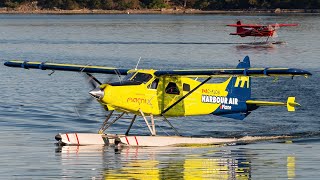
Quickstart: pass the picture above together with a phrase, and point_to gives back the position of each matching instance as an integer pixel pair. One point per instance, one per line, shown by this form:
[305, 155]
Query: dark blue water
[35, 107]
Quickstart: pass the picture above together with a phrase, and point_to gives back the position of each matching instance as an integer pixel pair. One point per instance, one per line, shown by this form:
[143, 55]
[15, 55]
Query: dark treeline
[155, 4]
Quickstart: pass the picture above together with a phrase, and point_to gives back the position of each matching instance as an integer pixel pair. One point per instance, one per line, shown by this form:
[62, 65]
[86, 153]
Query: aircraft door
[151, 96]
[169, 92]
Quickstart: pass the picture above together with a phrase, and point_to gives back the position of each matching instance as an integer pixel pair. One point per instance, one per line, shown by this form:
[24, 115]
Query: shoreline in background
[160, 11]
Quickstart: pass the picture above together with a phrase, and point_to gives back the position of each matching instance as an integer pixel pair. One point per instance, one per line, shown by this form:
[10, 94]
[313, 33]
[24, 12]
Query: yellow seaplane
[159, 94]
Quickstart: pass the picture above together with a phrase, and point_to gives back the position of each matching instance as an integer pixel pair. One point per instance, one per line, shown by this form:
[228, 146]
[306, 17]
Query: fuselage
[260, 32]
[142, 90]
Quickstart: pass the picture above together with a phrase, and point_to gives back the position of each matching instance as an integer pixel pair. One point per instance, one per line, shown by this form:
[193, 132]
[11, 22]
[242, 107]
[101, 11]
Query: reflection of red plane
[257, 30]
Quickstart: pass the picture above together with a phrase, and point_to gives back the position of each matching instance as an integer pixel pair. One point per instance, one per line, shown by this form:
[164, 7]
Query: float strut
[108, 125]
[166, 120]
[105, 122]
[132, 121]
[153, 125]
[153, 133]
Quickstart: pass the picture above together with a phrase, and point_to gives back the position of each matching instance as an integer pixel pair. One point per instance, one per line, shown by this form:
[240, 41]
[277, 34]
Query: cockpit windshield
[141, 77]
[138, 77]
[128, 77]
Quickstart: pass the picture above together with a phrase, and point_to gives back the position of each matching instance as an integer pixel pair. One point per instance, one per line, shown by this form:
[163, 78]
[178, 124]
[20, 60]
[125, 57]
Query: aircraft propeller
[96, 92]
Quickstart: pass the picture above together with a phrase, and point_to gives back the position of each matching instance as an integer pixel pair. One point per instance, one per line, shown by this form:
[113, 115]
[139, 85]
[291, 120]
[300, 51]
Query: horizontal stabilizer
[290, 103]
[238, 34]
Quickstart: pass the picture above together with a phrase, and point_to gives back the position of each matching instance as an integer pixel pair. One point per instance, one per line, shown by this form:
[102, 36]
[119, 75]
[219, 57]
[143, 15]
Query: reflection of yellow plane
[144, 163]
[224, 168]
[149, 93]
[172, 163]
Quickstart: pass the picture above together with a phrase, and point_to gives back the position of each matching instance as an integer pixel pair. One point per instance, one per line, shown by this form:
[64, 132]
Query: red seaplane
[258, 30]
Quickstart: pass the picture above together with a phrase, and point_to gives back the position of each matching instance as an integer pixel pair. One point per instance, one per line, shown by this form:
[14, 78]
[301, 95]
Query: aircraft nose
[97, 93]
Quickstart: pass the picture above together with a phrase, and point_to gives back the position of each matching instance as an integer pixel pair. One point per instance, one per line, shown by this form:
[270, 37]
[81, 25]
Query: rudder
[239, 91]
[239, 29]
[240, 86]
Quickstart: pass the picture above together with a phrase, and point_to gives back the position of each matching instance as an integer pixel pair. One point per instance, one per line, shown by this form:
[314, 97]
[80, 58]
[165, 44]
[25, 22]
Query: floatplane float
[160, 94]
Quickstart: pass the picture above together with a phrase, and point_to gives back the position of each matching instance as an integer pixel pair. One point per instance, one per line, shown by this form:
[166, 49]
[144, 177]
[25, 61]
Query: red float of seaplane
[258, 30]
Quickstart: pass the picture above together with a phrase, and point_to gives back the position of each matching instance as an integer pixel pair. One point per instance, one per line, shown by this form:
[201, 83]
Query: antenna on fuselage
[137, 64]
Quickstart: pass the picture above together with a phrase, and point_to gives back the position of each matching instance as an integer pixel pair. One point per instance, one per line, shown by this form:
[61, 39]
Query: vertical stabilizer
[239, 29]
[239, 91]
[245, 63]
[240, 86]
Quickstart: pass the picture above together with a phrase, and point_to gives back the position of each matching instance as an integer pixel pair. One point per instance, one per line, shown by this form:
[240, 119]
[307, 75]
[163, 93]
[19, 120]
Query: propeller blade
[83, 105]
[93, 79]
[109, 79]
[94, 84]
[275, 34]
[270, 28]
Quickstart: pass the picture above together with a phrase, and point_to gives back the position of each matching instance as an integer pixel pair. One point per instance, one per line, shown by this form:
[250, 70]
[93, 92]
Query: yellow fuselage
[204, 100]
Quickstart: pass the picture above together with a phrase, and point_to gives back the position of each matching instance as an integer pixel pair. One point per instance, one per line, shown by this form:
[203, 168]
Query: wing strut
[175, 130]
[167, 109]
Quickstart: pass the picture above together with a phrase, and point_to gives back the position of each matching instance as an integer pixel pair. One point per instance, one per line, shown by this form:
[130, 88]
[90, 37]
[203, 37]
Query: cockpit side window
[186, 87]
[172, 88]
[154, 84]
[141, 77]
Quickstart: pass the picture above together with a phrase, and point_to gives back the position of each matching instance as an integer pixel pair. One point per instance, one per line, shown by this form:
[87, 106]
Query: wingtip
[302, 72]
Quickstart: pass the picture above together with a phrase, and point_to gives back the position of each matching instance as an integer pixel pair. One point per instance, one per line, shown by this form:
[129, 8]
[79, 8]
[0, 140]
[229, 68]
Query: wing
[66, 67]
[256, 72]
[282, 25]
[260, 25]
[243, 69]
[247, 25]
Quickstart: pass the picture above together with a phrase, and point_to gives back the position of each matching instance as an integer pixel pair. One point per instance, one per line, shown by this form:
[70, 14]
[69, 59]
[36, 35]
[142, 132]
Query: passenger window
[186, 87]
[154, 84]
[172, 88]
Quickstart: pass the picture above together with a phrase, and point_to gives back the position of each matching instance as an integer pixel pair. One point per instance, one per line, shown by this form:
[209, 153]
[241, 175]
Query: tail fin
[240, 86]
[239, 91]
[239, 29]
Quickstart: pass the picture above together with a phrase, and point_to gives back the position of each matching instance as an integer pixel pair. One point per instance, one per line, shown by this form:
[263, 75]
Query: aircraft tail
[240, 86]
[290, 103]
[239, 29]
[239, 91]
[238, 104]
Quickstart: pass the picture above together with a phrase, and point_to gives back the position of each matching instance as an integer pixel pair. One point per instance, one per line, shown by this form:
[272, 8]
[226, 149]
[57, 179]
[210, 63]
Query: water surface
[34, 106]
